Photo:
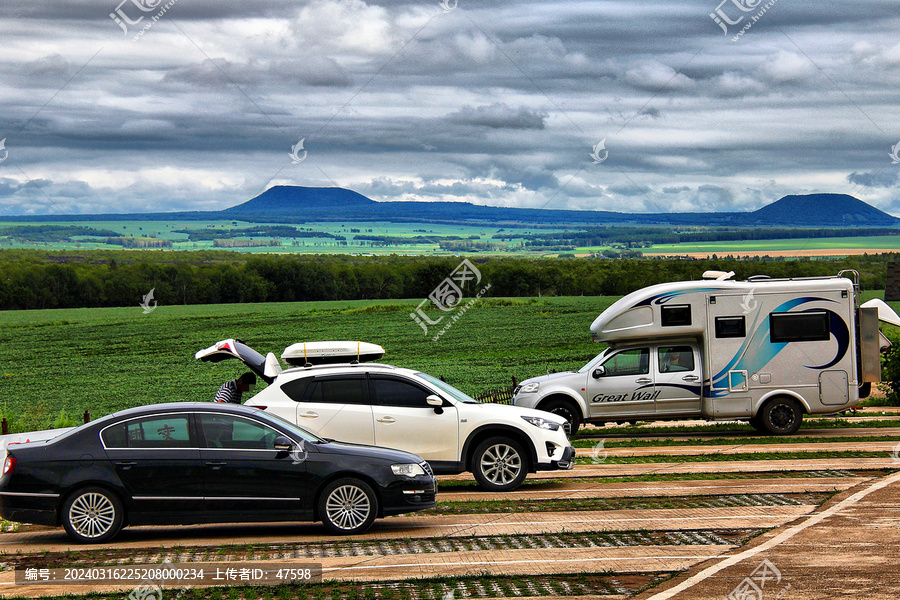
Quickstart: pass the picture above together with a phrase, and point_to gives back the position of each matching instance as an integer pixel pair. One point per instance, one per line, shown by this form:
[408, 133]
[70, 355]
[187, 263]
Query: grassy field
[884, 242]
[166, 230]
[111, 358]
[105, 359]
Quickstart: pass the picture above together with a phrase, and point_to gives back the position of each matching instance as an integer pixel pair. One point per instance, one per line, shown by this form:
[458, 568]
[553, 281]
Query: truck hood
[549, 377]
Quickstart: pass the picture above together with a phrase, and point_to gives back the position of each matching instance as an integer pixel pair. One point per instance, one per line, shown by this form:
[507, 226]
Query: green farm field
[167, 230]
[884, 242]
[105, 359]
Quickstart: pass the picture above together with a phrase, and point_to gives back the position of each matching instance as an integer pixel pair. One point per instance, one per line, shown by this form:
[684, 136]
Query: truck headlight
[542, 423]
[408, 470]
[530, 388]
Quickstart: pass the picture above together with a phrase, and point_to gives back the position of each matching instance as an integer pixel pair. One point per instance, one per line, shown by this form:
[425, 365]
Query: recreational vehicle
[763, 350]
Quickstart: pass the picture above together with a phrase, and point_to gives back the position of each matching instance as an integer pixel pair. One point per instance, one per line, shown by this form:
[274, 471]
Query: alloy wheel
[348, 507]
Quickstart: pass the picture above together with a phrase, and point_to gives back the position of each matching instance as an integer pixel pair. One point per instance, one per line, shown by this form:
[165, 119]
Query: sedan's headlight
[409, 470]
[530, 388]
[542, 423]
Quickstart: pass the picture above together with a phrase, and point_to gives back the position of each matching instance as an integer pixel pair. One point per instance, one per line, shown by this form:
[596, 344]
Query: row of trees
[41, 279]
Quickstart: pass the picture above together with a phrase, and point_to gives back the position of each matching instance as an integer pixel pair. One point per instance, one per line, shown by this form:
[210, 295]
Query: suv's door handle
[216, 465]
[643, 380]
[386, 420]
[126, 464]
[690, 378]
[309, 414]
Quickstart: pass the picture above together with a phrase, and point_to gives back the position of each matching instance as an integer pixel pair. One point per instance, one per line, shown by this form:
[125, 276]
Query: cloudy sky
[158, 105]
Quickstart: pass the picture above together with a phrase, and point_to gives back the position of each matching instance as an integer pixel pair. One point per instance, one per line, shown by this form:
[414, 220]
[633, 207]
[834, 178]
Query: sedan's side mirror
[283, 444]
[437, 402]
[599, 372]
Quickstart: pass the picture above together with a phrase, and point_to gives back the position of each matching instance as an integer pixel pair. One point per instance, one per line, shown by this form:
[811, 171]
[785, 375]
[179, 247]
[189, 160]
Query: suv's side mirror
[283, 444]
[599, 372]
[437, 402]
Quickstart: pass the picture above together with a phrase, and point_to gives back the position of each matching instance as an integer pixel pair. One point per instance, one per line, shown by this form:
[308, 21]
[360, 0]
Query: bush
[890, 370]
[64, 420]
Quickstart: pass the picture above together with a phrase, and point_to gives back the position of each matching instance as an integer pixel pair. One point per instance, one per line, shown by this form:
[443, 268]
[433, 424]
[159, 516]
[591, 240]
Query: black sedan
[187, 463]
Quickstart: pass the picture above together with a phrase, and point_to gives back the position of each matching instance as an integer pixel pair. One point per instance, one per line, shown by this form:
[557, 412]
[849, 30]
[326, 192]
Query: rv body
[762, 350]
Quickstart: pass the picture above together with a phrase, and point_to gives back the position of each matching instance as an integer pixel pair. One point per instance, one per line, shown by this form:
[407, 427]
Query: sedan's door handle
[309, 415]
[215, 465]
[126, 464]
[386, 420]
[643, 380]
[690, 378]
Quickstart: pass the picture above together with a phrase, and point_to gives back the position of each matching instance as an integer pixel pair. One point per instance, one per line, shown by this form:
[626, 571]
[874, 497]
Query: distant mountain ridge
[286, 203]
[827, 210]
[298, 204]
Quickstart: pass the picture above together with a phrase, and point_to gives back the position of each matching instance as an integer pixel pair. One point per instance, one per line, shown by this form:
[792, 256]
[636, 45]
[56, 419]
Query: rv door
[678, 379]
[622, 384]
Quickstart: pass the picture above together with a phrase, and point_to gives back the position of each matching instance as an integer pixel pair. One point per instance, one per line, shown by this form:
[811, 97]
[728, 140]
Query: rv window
[674, 316]
[628, 362]
[731, 327]
[810, 326]
[674, 359]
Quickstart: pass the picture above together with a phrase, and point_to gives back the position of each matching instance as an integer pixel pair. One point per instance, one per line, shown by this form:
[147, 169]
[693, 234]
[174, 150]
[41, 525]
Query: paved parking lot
[828, 528]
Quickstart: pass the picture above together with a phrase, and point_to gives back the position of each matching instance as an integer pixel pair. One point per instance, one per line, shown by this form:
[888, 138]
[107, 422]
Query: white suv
[384, 405]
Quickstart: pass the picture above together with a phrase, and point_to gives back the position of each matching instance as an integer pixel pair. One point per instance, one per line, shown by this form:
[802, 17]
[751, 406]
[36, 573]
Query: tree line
[32, 279]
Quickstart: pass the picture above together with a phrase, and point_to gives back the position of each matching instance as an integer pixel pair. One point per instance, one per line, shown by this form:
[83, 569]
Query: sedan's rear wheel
[348, 506]
[499, 464]
[92, 515]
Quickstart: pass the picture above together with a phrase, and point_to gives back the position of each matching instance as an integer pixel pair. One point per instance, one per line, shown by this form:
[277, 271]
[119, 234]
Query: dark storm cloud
[498, 103]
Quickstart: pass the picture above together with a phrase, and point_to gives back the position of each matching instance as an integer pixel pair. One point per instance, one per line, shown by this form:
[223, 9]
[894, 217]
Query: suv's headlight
[541, 423]
[409, 470]
[530, 388]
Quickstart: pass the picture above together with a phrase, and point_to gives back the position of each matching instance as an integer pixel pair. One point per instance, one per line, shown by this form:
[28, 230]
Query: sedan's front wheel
[92, 515]
[348, 506]
[499, 464]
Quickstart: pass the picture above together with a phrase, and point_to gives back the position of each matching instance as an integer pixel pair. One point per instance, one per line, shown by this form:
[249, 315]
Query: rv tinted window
[799, 327]
[673, 316]
[731, 327]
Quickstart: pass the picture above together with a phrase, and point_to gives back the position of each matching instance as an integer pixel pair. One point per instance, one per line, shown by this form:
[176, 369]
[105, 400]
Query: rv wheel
[781, 416]
[757, 424]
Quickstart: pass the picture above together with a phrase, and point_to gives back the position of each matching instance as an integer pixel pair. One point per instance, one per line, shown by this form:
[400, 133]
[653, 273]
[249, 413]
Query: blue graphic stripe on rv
[757, 351]
[663, 298]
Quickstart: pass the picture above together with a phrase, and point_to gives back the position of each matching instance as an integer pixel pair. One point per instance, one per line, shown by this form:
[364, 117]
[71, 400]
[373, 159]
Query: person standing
[232, 391]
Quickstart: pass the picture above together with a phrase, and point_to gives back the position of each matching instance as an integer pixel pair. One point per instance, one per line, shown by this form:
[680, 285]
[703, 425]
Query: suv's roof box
[718, 275]
[306, 354]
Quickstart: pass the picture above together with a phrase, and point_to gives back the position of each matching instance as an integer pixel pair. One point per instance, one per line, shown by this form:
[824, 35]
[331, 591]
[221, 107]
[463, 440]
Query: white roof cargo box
[321, 353]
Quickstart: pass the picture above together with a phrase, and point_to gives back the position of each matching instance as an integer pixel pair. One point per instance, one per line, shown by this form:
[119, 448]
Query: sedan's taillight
[256, 406]
[9, 466]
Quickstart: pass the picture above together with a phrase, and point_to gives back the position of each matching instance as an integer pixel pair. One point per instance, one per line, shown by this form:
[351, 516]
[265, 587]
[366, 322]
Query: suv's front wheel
[499, 464]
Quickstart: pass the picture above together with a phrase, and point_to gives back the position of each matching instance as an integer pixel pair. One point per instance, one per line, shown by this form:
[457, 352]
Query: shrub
[890, 370]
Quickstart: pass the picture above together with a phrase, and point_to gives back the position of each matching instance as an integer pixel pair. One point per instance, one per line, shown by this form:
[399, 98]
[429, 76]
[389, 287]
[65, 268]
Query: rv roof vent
[718, 275]
[758, 278]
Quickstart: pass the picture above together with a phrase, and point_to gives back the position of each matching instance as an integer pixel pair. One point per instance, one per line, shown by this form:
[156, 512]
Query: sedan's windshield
[594, 362]
[303, 434]
[449, 389]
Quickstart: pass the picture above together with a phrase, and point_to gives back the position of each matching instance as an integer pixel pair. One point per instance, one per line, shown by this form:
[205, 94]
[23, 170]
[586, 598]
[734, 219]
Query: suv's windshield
[449, 389]
[594, 362]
